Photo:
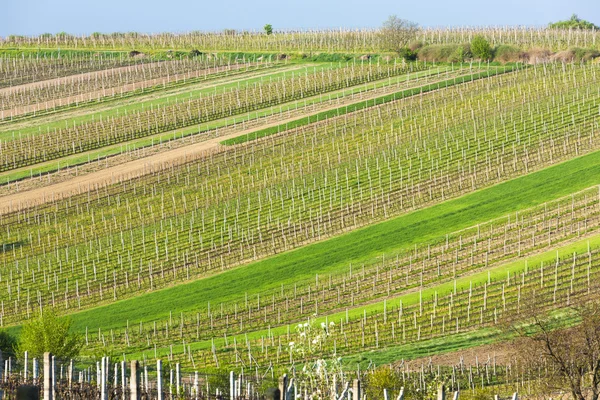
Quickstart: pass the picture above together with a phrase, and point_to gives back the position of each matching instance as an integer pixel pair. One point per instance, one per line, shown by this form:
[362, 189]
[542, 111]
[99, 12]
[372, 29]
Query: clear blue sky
[33, 17]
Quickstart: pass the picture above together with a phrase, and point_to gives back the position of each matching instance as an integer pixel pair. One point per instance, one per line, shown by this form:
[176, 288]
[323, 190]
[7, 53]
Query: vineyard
[237, 210]
[350, 41]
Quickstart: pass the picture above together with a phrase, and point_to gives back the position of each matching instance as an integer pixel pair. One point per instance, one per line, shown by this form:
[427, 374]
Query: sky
[34, 17]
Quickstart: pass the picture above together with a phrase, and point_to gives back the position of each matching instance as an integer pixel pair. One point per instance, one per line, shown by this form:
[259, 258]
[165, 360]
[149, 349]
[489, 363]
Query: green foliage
[481, 48]
[407, 54]
[195, 53]
[219, 379]
[573, 23]
[505, 53]
[458, 55]
[445, 53]
[49, 333]
[8, 343]
[585, 54]
[329, 57]
[382, 378]
[268, 29]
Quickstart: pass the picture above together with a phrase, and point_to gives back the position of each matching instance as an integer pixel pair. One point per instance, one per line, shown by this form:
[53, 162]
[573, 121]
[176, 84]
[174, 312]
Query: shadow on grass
[6, 247]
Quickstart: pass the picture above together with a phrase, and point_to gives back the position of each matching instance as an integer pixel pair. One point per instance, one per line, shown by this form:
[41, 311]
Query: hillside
[302, 203]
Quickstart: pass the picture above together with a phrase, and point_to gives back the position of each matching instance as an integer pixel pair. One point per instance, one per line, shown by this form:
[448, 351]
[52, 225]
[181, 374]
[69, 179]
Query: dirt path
[131, 169]
[106, 92]
[128, 170]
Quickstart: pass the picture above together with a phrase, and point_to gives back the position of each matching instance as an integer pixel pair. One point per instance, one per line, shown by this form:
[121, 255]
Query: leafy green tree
[8, 343]
[49, 333]
[480, 48]
[396, 33]
[268, 29]
[573, 23]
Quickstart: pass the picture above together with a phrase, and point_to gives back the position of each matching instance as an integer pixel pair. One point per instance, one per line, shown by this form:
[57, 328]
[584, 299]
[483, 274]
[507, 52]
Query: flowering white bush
[317, 375]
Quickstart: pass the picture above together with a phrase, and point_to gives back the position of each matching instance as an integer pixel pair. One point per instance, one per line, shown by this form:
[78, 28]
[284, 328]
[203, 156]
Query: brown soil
[128, 170]
[503, 353]
[169, 157]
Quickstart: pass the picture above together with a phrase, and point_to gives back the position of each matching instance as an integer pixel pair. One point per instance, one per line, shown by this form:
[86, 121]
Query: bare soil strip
[166, 158]
[127, 170]
[501, 353]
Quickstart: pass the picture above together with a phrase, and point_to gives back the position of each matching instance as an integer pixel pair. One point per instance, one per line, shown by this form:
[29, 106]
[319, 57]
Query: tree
[573, 355]
[49, 333]
[268, 29]
[7, 343]
[573, 23]
[480, 48]
[395, 33]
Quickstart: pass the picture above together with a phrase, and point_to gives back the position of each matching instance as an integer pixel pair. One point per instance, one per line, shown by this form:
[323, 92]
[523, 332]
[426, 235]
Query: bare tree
[573, 354]
[396, 33]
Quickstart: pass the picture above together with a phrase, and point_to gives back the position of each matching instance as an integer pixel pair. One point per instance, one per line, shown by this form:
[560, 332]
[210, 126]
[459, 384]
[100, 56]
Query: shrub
[414, 46]
[480, 48]
[505, 53]
[195, 53]
[458, 55]
[382, 378]
[445, 52]
[49, 333]
[8, 343]
[584, 54]
[268, 29]
[407, 54]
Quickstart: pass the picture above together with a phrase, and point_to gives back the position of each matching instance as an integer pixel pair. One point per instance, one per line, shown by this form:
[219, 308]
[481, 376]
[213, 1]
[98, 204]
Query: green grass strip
[451, 342]
[337, 253]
